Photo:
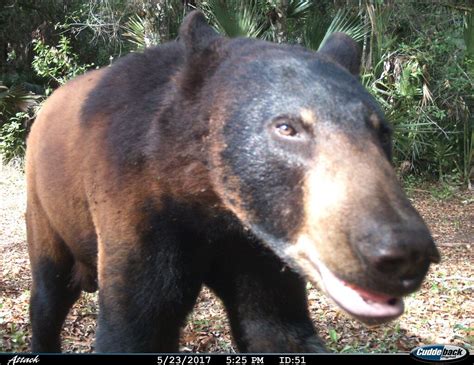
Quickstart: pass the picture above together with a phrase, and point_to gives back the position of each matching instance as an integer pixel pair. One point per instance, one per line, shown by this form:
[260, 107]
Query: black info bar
[212, 359]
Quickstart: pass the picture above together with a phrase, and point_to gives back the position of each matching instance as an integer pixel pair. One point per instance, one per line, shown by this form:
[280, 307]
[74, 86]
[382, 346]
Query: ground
[441, 312]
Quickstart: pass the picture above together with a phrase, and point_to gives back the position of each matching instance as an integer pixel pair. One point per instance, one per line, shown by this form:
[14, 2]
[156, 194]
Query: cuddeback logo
[439, 353]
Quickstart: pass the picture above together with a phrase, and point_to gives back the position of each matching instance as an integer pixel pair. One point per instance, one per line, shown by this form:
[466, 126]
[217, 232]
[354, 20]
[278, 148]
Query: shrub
[57, 64]
[13, 136]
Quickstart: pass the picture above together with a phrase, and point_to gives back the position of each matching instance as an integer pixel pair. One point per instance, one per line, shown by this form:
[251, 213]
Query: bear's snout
[400, 254]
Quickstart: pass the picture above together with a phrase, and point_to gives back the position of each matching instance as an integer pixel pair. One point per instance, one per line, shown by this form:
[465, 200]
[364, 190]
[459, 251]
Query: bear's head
[300, 152]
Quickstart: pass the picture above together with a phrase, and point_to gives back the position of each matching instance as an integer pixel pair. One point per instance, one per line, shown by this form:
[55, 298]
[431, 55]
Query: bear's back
[131, 94]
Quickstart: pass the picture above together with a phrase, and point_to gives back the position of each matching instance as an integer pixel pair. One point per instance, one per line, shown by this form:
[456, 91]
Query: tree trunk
[280, 23]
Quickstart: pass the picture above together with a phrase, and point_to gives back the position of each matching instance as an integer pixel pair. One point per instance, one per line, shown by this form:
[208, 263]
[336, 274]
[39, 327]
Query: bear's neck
[176, 148]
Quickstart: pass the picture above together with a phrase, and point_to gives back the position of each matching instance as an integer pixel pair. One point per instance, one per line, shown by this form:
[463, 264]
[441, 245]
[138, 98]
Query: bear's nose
[399, 253]
[399, 261]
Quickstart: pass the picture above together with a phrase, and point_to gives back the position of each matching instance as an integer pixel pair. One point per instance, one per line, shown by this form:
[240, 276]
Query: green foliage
[272, 20]
[345, 23]
[468, 34]
[237, 18]
[57, 64]
[21, 22]
[422, 84]
[15, 105]
[318, 27]
[153, 23]
[13, 100]
[417, 56]
[135, 31]
[442, 191]
[466, 334]
[298, 8]
[333, 335]
[468, 130]
[18, 336]
[12, 137]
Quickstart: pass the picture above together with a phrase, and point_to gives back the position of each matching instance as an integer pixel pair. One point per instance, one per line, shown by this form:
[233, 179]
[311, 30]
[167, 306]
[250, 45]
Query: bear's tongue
[368, 307]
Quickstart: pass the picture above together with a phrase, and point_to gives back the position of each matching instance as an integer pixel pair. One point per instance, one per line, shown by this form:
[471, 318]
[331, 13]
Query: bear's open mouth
[369, 307]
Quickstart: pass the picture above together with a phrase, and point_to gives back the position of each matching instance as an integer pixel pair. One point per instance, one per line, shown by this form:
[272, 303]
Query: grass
[440, 191]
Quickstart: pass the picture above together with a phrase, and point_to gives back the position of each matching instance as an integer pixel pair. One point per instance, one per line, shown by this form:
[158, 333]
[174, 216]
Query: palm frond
[344, 22]
[141, 33]
[135, 32]
[380, 40]
[319, 28]
[298, 8]
[237, 18]
[314, 31]
[15, 99]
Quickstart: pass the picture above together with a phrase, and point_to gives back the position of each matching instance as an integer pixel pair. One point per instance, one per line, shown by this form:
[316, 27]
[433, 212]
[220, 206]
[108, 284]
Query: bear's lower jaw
[368, 307]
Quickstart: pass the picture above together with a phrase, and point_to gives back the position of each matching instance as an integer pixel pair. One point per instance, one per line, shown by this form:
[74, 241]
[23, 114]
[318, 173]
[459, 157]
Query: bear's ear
[343, 50]
[195, 33]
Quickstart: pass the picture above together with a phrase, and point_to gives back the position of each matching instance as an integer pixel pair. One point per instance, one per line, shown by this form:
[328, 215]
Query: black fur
[50, 302]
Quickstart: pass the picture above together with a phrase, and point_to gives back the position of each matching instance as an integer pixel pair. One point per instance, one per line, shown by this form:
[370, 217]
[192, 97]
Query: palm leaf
[15, 99]
[141, 32]
[318, 28]
[315, 31]
[135, 32]
[237, 18]
[345, 23]
[380, 39]
[298, 8]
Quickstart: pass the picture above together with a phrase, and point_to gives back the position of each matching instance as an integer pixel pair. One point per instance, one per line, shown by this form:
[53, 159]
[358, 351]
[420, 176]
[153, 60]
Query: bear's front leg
[266, 301]
[148, 283]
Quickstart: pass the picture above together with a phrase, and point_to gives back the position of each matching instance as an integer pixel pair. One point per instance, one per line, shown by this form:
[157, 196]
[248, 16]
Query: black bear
[239, 164]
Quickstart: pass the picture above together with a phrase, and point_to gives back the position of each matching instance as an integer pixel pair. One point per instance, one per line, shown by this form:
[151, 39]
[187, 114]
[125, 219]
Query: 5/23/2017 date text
[226, 359]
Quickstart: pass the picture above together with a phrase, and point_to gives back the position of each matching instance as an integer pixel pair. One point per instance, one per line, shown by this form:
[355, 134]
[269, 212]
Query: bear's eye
[286, 130]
